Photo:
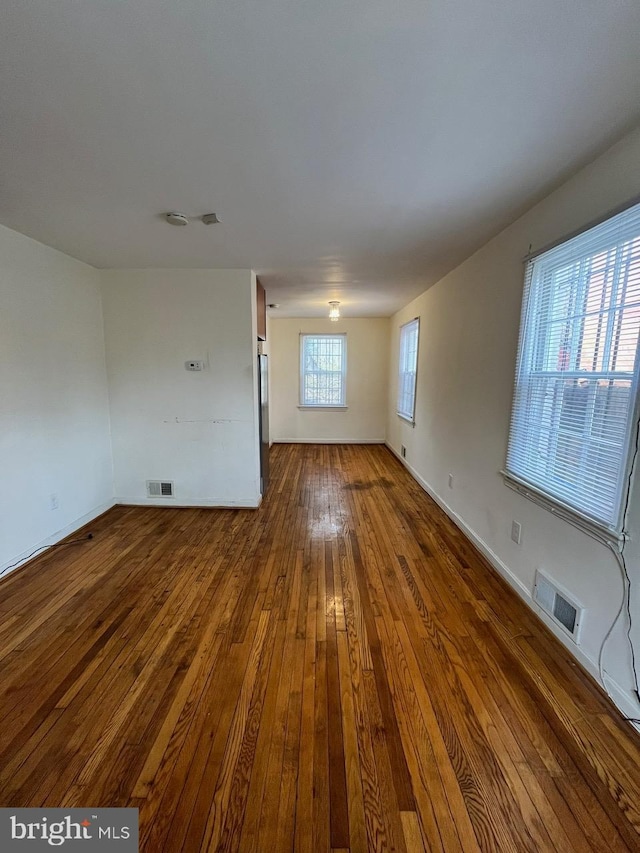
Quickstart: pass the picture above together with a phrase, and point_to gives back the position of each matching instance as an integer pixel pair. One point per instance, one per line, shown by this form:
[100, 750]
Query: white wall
[197, 429]
[469, 328]
[54, 417]
[367, 359]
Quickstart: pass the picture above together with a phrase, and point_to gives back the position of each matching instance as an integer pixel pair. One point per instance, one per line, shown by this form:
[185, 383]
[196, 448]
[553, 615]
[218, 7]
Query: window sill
[561, 510]
[406, 419]
[323, 408]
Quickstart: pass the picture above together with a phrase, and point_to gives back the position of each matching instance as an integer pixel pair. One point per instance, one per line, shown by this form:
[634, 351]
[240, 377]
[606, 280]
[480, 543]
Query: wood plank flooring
[336, 671]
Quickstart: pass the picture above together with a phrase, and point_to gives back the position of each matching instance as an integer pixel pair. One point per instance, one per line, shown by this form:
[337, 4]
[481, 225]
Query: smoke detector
[176, 218]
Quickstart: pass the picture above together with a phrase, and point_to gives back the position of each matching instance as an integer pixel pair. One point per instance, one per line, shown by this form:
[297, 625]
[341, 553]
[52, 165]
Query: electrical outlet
[54, 503]
[516, 531]
[450, 481]
[403, 451]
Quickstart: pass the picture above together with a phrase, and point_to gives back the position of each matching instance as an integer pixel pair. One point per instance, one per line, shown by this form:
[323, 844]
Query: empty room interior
[320, 519]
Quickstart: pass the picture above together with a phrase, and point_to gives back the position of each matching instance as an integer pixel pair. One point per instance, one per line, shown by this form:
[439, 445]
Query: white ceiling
[353, 150]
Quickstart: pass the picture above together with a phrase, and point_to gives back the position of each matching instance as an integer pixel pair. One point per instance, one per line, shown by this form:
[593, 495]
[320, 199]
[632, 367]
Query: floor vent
[558, 605]
[159, 489]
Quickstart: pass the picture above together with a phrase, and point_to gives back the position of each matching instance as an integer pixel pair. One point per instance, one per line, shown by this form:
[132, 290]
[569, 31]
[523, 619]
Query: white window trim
[321, 408]
[302, 405]
[406, 416]
[615, 531]
[561, 510]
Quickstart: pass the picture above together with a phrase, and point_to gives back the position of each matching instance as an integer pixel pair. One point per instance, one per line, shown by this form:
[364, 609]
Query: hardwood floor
[338, 670]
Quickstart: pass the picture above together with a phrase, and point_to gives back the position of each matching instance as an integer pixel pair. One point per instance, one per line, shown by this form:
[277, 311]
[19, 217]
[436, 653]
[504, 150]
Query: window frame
[405, 330]
[609, 234]
[304, 404]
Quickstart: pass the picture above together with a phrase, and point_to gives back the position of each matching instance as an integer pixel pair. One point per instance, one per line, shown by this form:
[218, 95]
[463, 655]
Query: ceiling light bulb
[334, 312]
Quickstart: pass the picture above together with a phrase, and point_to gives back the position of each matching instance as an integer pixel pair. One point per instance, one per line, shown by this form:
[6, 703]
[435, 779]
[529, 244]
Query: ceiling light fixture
[334, 313]
[176, 218]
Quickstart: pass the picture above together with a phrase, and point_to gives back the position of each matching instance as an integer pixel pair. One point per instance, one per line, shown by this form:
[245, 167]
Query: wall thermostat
[194, 365]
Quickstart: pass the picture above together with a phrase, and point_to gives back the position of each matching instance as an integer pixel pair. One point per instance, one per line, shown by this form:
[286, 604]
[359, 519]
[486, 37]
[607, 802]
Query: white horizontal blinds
[577, 369]
[323, 366]
[408, 363]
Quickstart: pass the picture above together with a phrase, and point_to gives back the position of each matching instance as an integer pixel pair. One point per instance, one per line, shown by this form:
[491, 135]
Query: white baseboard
[328, 441]
[21, 559]
[620, 697]
[210, 503]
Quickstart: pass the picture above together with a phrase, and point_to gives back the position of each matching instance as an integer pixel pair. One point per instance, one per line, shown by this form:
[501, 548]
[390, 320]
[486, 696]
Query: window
[323, 367]
[577, 371]
[407, 367]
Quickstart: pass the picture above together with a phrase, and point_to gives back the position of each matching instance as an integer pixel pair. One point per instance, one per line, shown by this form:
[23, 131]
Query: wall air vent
[558, 605]
[159, 489]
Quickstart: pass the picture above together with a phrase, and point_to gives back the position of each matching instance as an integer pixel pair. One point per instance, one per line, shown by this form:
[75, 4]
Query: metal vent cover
[565, 613]
[559, 606]
[159, 488]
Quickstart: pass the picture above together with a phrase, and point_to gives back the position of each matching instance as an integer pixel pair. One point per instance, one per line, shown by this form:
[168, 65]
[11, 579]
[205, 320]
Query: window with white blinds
[407, 369]
[577, 372]
[323, 370]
